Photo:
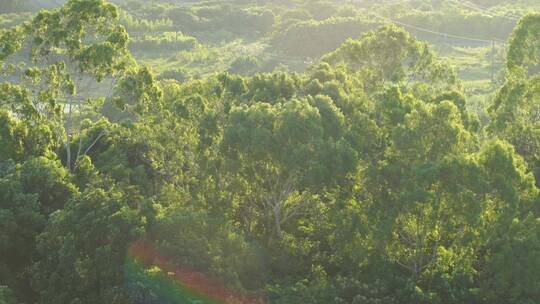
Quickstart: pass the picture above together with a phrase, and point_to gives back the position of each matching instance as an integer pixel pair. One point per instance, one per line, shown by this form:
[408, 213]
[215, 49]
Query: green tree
[23, 139]
[508, 275]
[74, 50]
[514, 109]
[285, 150]
[523, 44]
[83, 247]
[30, 192]
[6, 296]
[512, 233]
[391, 54]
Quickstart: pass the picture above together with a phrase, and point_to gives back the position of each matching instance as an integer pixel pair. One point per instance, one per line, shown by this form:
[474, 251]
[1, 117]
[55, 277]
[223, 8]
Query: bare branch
[293, 211]
[103, 133]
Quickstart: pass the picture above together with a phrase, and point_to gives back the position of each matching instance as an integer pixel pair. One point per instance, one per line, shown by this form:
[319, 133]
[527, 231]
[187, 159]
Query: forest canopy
[280, 152]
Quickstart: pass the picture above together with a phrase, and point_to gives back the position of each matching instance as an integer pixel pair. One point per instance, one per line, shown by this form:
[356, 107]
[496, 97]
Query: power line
[446, 35]
[484, 10]
[57, 3]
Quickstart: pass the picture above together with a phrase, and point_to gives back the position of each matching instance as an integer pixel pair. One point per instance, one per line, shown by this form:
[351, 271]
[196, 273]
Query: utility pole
[493, 61]
[176, 40]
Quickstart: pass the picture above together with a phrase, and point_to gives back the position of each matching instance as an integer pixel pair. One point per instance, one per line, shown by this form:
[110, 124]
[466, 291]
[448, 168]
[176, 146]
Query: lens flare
[174, 284]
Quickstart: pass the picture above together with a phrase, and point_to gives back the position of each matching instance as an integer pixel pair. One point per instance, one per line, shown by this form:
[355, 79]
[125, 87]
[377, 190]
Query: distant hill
[38, 4]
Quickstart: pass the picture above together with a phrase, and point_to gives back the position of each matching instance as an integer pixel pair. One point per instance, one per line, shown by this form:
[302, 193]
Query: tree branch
[103, 133]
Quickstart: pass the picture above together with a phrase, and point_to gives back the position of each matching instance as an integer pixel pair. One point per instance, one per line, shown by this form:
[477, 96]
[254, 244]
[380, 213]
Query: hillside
[261, 152]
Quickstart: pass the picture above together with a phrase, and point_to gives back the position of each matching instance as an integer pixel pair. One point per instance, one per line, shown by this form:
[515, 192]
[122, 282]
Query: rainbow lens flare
[154, 279]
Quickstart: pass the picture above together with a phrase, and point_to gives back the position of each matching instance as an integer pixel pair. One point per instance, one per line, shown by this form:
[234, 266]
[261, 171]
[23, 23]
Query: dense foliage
[367, 178]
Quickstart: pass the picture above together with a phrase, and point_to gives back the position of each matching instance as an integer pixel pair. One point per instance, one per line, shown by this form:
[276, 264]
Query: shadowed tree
[515, 109]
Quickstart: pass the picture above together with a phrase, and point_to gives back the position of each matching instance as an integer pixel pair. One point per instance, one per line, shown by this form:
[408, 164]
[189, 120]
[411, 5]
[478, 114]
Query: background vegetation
[299, 151]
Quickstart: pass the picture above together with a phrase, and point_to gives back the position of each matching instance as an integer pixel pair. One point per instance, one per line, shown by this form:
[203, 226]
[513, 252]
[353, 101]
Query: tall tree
[515, 109]
[73, 51]
[391, 54]
[285, 149]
